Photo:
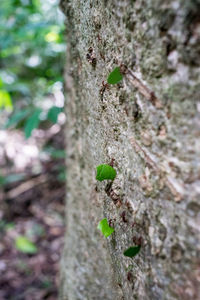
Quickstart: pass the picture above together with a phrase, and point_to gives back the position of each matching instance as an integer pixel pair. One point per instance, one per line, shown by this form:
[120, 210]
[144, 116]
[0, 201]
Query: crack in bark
[144, 90]
[175, 187]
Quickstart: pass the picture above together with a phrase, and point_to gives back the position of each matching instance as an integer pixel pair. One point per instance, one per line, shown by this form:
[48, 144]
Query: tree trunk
[149, 124]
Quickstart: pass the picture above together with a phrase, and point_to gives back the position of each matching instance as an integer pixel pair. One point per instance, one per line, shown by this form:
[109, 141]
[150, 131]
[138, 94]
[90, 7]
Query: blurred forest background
[32, 169]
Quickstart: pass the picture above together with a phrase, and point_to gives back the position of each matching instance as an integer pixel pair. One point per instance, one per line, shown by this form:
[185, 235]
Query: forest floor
[32, 205]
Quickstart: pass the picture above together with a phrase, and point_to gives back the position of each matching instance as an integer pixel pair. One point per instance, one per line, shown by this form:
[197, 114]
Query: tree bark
[149, 124]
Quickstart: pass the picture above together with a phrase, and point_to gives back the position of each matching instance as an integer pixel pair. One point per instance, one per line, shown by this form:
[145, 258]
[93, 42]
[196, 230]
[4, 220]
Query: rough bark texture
[149, 123]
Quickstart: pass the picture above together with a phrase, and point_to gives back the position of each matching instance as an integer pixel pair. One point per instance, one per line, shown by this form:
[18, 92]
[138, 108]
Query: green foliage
[25, 245]
[31, 44]
[105, 228]
[4, 226]
[29, 118]
[53, 113]
[47, 283]
[62, 174]
[32, 122]
[55, 153]
[9, 226]
[2, 180]
[132, 251]
[58, 153]
[115, 76]
[32, 53]
[105, 172]
[5, 100]
[17, 117]
[11, 178]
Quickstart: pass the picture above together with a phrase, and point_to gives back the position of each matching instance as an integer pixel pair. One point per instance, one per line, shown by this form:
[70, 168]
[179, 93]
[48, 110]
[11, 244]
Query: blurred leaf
[13, 178]
[62, 176]
[9, 226]
[132, 251]
[105, 228]
[58, 154]
[105, 172]
[115, 76]
[53, 113]
[1, 82]
[17, 117]
[5, 100]
[32, 123]
[55, 153]
[46, 283]
[2, 180]
[52, 37]
[4, 226]
[25, 245]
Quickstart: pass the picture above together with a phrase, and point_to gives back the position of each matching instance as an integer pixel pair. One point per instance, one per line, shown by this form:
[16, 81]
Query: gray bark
[149, 123]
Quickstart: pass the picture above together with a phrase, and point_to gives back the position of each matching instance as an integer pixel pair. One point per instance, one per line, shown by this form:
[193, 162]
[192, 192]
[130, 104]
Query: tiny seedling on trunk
[105, 228]
[115, 76]
[132, 251]
[105, 172]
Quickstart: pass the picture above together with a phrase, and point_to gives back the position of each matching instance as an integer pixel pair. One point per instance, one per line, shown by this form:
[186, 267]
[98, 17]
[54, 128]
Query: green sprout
[105, 172]
[115, 76]
[105, 228]
[132, 251]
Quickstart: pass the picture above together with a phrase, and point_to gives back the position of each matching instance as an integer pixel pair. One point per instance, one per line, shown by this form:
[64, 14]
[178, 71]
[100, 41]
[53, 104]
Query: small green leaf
[53, 113]
[105, 228]
[32, 122]
[105, 172]
[132, 251]
[115, 76]
[24, 245]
